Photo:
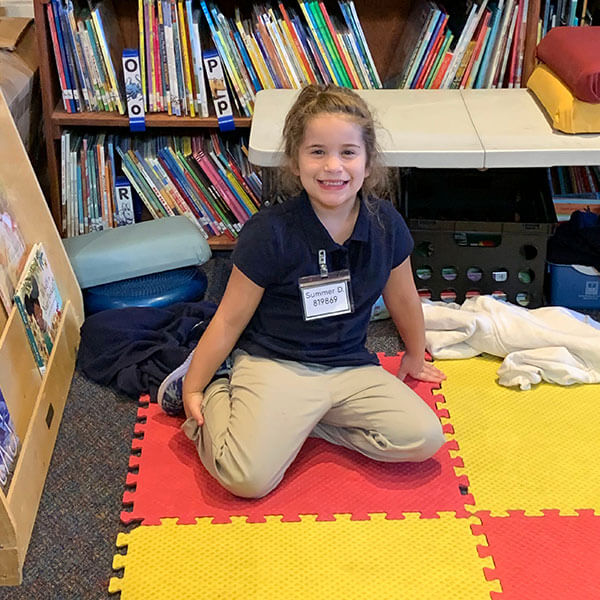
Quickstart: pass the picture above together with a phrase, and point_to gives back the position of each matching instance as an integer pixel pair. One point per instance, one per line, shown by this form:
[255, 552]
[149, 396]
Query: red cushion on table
[573, 53]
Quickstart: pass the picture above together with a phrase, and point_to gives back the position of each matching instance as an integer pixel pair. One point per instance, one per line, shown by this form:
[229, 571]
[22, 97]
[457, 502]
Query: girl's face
[332, 162]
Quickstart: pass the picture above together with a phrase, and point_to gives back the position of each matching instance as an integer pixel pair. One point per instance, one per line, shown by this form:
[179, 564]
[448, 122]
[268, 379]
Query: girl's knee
[431, 439]
[245, 484]
[417, 444]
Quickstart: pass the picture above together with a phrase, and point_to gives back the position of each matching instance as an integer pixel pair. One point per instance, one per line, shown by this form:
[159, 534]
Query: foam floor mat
[507, 509]
[524, 450]
[309, 559]
[548, 557]
[168, 480]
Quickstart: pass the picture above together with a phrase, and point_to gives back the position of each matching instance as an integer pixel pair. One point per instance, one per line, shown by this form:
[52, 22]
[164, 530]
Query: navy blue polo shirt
[280, 244]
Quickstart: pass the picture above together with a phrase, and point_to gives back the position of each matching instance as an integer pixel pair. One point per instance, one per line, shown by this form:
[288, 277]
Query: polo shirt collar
[317, 235]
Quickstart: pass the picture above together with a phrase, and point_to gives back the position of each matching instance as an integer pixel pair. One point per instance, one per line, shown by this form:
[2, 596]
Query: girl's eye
[349, 152]
[317, 151]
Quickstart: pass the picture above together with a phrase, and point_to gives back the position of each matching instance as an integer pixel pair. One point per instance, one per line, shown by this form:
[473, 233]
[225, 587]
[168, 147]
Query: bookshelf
[35, 402]
[383, 23]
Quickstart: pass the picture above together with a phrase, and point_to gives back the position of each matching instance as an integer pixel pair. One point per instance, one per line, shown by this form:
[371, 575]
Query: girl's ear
[293, 166]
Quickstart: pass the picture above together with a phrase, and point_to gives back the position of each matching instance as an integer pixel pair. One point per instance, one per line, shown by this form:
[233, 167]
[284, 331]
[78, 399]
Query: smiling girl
[295, 313]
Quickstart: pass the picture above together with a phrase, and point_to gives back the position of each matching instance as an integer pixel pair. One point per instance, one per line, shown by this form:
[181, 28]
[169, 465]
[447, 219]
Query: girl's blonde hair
[314, 100]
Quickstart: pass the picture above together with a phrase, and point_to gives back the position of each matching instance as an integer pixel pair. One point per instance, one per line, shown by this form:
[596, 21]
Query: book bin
[479, 232]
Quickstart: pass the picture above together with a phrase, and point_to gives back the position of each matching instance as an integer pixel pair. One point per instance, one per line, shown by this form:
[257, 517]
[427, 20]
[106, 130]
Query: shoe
[170, 392]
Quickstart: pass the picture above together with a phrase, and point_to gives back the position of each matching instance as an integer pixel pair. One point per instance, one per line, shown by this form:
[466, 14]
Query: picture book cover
[40, 305]
[9, 443]
[12, 256]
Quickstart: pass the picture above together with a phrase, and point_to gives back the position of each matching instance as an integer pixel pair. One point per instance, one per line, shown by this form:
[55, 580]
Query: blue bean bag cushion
[156, 290]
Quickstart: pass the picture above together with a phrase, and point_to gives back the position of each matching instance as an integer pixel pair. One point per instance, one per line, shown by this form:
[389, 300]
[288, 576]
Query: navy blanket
[133, 349]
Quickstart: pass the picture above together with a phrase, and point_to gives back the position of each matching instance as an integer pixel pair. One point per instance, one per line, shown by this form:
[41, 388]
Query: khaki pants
[256, 422]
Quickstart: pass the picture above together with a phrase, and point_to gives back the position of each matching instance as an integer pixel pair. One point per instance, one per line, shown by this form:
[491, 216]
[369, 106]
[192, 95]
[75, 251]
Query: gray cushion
[133, 250]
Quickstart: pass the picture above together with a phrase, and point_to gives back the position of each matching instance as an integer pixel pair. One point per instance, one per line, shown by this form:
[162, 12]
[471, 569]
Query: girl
[296, 308]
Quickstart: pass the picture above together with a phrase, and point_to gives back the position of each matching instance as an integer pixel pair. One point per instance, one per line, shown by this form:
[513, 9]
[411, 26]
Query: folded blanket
[573, 53]
[553, 344]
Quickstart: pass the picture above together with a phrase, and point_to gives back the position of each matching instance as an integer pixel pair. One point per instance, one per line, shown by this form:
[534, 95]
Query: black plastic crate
[479, 232]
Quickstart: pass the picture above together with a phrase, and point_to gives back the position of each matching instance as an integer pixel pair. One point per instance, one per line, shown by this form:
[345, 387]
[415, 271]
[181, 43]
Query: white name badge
[326, 296]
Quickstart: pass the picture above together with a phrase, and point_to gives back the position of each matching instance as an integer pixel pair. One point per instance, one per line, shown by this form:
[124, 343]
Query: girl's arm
[236, 308]
[404, 305]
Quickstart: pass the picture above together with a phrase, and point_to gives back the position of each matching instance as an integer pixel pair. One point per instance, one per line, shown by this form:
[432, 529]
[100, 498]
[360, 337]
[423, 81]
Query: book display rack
[35, 397]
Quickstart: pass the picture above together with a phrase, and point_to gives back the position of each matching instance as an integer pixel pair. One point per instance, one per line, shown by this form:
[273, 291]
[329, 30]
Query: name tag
[326, 296]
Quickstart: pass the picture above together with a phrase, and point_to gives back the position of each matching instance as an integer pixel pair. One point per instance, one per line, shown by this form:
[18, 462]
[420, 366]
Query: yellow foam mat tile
[523, 450]
[420, 559]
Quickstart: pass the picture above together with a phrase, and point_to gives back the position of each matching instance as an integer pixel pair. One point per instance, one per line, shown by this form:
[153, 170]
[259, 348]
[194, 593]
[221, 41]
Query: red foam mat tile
[323, 480]
[549, 557]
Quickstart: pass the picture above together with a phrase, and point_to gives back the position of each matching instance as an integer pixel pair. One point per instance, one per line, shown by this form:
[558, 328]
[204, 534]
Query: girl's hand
[418, 368]
[192, 405]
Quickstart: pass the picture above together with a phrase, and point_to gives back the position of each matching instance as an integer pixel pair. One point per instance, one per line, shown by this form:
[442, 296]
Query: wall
[16, 8]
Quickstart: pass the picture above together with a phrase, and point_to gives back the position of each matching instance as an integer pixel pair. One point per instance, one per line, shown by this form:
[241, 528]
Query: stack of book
[276, 47]
[574, 188]
[206, 178]
[87, 46]
[273, 47]
[555, 13]
[488, 53]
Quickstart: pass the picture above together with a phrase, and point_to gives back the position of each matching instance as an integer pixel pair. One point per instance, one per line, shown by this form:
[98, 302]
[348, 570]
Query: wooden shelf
[221, 242]
[444, 129]
[62, 118]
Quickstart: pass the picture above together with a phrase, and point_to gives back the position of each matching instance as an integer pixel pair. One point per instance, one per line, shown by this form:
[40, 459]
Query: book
[109, 37]
[462, 43]
[9, 443]
[40, 305]
[65, 84]
[431, 50]
[12, 256]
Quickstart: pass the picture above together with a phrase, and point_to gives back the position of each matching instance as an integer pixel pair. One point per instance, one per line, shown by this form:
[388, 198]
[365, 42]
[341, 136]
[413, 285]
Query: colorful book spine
[207, 166]
[201, 97]
[328, 44]
[431, 56]
[183, 31]
[100, 34]
[334, 37]
[66, 92]
[142, 46]
[63, 38]
[449, 36]
[432, 41]
[291, 32]
[354, 23]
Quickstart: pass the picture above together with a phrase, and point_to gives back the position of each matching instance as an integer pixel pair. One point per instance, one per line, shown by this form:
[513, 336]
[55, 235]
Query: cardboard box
[18, 75]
